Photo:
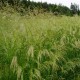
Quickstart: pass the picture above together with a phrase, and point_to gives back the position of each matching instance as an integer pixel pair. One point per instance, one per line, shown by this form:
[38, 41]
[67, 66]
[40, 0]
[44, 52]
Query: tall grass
[42, 47]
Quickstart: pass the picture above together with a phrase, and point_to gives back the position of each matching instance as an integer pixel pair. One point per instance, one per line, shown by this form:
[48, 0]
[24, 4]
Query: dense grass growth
[42, 47]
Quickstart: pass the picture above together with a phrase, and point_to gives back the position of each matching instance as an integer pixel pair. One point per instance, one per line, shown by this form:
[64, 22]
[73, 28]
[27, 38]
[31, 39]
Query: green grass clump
[42, 47]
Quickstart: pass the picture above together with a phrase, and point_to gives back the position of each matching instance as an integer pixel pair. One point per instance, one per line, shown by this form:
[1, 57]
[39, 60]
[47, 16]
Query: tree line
[30, 6]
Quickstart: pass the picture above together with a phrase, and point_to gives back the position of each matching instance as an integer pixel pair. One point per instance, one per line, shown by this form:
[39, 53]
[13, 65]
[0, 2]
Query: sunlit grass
[42, 47]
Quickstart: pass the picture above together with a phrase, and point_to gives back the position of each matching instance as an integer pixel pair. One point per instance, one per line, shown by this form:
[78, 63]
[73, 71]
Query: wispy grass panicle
[19, 73]
[30, 52]
[14, 64]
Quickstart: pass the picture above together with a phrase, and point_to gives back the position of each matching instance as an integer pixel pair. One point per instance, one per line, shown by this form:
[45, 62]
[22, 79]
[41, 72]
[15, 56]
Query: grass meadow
[42, 47]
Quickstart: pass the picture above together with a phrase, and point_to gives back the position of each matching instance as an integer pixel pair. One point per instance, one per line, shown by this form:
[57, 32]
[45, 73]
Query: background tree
[74, 8]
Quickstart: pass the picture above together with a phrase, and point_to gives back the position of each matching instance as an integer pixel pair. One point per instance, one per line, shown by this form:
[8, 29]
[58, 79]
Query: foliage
[27, 6]
[75, 8]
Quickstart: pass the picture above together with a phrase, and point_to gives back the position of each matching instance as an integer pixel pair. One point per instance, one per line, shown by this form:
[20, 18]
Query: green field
[42, 47]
